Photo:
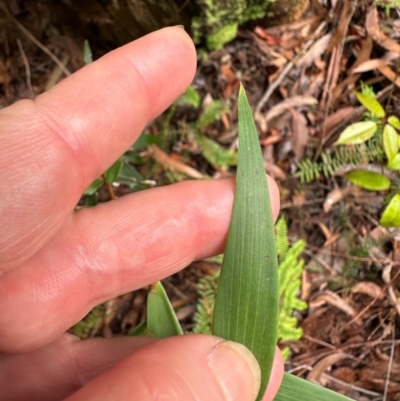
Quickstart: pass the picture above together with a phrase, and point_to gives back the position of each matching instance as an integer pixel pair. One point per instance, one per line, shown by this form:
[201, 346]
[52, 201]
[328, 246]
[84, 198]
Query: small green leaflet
[394, 121]
[357, 133]
[369, 180]
[390, 142]
[391, 215]
[371, 104]
[246, 307]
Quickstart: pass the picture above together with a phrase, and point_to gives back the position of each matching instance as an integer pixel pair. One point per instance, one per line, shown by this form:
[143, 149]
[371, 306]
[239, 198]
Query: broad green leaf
[296, 389]
[395, 164]
[357, 133]
[394, 121]
[112, 173]
[94, 187]
[191, 97]
[371, 104]
[139, 331]
[87, 53]
[390, 142]
[246, 308]
[369, 180]
[391, 215]
[210, 114]
[161, 319]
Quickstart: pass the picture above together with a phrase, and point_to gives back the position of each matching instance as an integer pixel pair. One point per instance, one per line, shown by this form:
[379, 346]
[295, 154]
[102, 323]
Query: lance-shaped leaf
[395, 163]
[161, 318]
[390, 142]
[371, 104]
[357, 133]
[369, 180]
[246, 308]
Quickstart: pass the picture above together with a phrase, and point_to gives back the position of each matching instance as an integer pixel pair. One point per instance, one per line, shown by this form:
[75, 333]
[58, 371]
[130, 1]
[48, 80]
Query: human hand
[56, 264]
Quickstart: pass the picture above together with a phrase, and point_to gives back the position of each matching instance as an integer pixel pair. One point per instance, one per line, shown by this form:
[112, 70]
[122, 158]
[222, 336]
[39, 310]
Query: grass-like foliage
[246, 306]
[289, 273]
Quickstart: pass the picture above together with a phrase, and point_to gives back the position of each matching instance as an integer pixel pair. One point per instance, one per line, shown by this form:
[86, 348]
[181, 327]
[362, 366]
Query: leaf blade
[357, 133]
[390, 142]
[371, 104]
[161, 318]
[369, 180]
[248, 284]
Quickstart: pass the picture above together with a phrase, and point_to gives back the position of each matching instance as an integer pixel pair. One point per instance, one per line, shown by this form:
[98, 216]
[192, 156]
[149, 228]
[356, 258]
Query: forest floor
[301, 81]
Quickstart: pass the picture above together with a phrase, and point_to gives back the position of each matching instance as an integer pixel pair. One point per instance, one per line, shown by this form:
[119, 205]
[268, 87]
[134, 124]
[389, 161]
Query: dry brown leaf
[370, 65]
[329, 297]
[320, 368]
[374, 30]
[300, 134]
[390, 74]
[315, 51]
[368, 288]
[175, 165]
[338, 194]
[295, 101]
[327, 233]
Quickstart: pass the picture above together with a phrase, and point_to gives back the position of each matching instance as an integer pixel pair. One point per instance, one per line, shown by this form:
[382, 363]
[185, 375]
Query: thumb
[184, 368]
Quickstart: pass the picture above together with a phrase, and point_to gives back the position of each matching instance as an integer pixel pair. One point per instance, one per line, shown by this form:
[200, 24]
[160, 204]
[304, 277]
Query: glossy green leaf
[391, 215]
[87, 53]
[394, 121]
[369, 180]
[357, 133]
[94, 187]
[371, 104]
[296, 389]
[112, 173]
[191, 97]
[395, 163]
[246, 308]
[390, 142]
[161, 318]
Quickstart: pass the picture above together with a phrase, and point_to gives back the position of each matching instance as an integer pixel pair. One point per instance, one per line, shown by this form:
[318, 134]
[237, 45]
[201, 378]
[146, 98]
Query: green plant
[376, 124]
[289, 274]
[246, 308]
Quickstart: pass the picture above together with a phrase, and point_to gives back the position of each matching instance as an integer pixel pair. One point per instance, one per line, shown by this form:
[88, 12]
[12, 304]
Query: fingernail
[180, 26]
[236, 370]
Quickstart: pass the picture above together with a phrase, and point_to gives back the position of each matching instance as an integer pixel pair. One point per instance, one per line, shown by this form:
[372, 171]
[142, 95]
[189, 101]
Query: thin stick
[390, 363]
[27, 69]
[36, 42]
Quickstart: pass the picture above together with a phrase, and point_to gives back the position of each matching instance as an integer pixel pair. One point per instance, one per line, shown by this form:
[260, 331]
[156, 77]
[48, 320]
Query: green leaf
[145, 140]
[246, 309]
[395, 164]
[210, 114]
[390, 142]
[371, 104]
[191, 97]
[112, 173]
[357, 133]
[139, 331]
[94, 187]
[394, 121]
[161, 319]
[296, 389]
[87, 53]
[369, 180]
[391, 215]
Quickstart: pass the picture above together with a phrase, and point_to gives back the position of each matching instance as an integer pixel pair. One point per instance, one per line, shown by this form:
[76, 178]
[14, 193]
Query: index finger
[54, 147]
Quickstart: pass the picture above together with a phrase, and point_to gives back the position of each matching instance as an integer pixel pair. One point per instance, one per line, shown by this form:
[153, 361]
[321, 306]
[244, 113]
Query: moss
[219, 19]
[217, 40]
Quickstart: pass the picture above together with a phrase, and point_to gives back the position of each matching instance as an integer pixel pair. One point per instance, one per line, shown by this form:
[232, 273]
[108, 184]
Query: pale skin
[56, 264]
